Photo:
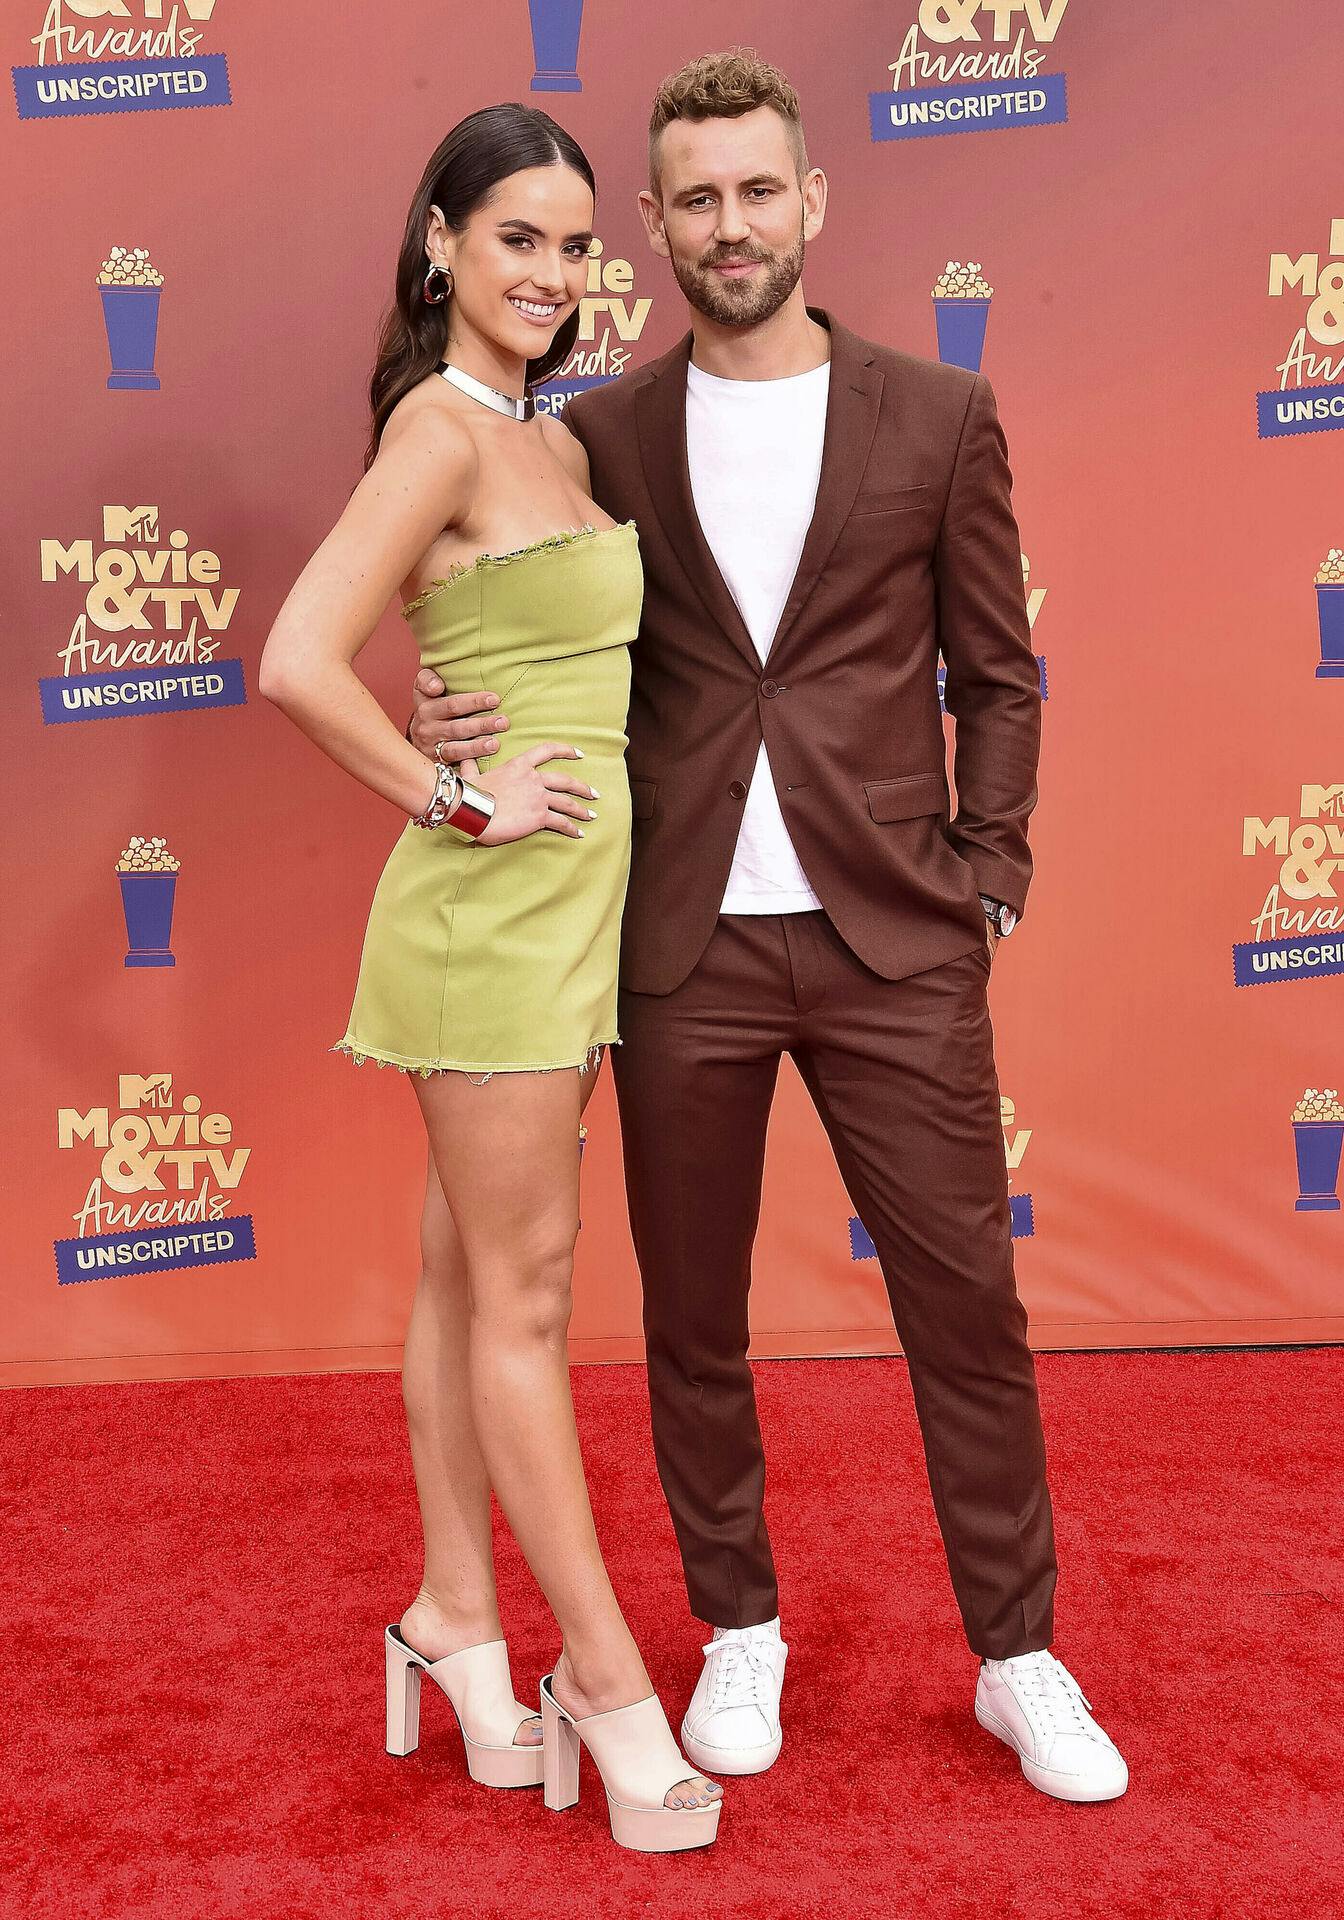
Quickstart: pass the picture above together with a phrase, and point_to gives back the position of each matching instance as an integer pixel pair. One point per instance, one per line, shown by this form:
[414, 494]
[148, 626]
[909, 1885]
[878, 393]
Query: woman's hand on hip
[530, 797]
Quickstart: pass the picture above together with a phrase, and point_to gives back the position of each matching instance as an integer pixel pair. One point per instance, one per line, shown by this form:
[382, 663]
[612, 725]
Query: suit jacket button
[737, 790]
[769, 688]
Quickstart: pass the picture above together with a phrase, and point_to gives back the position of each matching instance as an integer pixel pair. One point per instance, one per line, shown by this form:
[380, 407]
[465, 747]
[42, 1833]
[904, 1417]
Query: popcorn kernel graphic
[1320, 1104]
[147, 856]
[1330, 573]
[129, 267]
[958, 282]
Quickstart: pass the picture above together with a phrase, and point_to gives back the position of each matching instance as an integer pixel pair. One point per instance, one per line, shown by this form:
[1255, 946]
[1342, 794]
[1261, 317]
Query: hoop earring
[438, 285]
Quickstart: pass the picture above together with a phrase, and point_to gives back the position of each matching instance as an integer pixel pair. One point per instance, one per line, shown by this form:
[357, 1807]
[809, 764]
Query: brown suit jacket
[912, 549]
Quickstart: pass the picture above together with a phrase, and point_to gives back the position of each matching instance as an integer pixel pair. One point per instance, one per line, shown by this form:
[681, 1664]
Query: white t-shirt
[754, 448]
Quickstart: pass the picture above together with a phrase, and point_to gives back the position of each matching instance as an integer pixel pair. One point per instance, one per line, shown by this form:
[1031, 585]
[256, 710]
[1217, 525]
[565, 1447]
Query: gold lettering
[1261, 835]
[71, 1125]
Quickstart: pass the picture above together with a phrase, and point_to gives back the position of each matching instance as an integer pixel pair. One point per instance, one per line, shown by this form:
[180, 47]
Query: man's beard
[740, 303]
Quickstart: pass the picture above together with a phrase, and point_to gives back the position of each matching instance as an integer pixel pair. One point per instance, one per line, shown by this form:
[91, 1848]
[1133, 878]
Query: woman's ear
[439, 239]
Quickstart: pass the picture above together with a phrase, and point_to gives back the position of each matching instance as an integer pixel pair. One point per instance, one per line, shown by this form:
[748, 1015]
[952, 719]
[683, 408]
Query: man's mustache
[733, 259]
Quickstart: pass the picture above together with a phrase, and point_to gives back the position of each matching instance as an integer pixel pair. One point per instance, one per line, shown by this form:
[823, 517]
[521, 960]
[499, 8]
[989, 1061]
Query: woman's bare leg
[508, 1164]
[456, 1606]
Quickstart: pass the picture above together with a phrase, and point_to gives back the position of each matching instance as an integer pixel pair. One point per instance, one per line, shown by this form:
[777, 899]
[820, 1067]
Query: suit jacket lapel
[853, 400]
[660, 409]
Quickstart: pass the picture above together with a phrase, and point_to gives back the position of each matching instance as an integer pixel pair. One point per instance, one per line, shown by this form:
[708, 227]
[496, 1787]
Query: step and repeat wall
[1130, 218]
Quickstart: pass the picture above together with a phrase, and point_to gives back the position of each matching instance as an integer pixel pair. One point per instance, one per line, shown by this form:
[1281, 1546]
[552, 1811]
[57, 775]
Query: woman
[489, 964]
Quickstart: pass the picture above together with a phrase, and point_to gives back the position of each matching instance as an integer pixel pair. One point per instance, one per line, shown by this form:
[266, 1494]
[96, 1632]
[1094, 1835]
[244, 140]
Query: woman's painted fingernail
[593, 794]
[591, 814]
[578, 753]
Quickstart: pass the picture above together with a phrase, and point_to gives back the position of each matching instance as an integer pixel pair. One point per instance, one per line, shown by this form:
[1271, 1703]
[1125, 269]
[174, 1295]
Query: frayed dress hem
[479, 1070]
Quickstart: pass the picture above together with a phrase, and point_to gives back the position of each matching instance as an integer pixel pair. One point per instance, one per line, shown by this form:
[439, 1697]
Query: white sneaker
[1035, 1706]
[732, 1723]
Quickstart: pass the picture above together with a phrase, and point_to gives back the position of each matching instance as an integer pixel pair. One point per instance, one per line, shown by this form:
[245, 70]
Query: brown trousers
[902, 1074]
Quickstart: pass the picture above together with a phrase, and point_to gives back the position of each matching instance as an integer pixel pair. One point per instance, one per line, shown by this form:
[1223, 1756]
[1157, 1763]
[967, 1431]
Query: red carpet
[200, 1573]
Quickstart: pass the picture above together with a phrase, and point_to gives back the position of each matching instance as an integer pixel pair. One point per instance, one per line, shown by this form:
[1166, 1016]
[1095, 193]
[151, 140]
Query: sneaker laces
[744, 1673]
[1052, 1691]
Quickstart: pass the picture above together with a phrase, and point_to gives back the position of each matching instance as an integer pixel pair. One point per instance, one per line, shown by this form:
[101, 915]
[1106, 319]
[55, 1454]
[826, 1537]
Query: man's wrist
[1000, 915]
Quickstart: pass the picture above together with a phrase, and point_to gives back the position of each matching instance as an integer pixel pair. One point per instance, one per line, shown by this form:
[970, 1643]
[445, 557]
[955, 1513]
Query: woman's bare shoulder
[427, 449]
[425, 419]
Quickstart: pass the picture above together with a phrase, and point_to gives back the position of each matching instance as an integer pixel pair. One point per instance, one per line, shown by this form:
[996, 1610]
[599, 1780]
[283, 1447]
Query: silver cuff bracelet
[474, 811]
[455, 803]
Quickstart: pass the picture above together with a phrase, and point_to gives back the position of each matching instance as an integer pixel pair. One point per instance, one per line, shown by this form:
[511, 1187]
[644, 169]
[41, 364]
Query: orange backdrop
[199, 1186]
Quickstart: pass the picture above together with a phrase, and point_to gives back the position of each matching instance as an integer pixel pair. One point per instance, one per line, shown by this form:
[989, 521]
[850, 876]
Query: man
[818, 518]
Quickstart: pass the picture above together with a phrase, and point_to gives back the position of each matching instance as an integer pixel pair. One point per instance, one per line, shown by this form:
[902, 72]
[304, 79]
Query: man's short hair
[724, 86]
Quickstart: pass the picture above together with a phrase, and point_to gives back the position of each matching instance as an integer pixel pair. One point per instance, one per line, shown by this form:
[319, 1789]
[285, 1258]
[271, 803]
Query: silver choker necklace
[488, 396]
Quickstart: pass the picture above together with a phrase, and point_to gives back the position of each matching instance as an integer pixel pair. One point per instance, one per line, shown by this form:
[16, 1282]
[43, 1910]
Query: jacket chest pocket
[905, 499]
[877, 538]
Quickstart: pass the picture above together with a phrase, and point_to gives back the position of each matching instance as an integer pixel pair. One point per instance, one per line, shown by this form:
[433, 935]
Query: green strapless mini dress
[504, 959]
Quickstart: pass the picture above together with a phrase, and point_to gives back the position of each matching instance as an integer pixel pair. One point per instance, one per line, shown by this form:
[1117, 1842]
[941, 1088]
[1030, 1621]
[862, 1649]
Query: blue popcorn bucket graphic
[1319, 1143]
[147, 902]
[131, 316]
[961, 331]
[1330, 612]
[555, 45]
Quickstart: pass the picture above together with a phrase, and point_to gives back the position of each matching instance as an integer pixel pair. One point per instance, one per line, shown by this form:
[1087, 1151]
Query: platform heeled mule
[477, 1682]
[639, 1761]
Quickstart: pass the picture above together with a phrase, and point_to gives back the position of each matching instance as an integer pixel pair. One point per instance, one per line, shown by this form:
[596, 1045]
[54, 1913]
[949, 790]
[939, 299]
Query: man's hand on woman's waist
[461, 726]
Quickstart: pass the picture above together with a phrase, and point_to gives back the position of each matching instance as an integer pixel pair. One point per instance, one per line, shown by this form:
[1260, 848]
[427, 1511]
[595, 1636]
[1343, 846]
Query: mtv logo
[148, 1090]
[1322, 800]
[131, 523]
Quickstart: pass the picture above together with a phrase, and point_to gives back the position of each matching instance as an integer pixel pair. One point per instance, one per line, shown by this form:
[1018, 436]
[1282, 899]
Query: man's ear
[815, 190]
[651, 212]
